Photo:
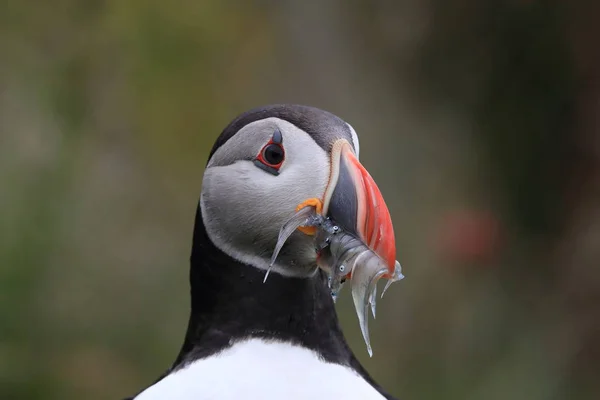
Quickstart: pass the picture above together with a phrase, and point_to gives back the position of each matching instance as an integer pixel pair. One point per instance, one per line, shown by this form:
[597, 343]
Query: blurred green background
[478, 119]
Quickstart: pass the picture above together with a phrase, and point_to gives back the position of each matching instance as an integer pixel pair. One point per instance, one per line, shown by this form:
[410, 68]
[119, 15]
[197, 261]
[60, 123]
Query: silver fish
[343, 256]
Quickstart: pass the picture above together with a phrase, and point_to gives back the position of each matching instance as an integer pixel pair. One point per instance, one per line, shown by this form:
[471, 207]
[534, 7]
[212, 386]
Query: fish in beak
[354, 236]
[354, 202]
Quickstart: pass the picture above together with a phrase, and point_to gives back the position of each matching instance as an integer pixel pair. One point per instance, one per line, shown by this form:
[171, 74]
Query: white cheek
[244, 207]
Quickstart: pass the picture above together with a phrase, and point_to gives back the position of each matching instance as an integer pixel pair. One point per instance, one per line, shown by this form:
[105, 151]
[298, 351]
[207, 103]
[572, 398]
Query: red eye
[271, 156]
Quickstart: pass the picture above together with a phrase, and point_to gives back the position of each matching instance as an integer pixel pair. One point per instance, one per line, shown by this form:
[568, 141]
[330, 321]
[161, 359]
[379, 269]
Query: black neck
[230, 301]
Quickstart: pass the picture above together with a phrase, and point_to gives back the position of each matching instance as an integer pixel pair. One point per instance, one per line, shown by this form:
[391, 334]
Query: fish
[344, 256]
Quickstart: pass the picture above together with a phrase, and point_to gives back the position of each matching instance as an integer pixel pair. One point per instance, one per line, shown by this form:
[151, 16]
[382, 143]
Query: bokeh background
[480, 121]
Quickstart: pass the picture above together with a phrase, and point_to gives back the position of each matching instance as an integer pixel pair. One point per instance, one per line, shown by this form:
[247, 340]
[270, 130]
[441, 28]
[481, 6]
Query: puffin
[260, 329]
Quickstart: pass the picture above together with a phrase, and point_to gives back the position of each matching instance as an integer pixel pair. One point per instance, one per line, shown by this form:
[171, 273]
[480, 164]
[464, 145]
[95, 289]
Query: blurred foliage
[520, 51]
[477, 119]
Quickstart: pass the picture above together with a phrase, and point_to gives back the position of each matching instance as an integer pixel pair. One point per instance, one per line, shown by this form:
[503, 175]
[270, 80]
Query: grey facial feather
[243, 207]
[246, 145]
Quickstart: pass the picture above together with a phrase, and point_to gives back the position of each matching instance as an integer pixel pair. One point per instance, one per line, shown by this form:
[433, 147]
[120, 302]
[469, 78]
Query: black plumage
[230, 300]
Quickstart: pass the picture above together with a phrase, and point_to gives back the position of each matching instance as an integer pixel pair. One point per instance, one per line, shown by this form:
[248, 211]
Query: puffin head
[270, 160]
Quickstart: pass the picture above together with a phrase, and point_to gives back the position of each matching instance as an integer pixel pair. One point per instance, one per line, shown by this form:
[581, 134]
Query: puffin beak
[353, 200]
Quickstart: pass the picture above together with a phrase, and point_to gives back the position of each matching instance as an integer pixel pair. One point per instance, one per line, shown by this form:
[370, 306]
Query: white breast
[257, 369]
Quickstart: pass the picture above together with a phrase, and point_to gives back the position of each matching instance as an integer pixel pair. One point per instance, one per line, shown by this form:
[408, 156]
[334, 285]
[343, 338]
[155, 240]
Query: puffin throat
[230, 302]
